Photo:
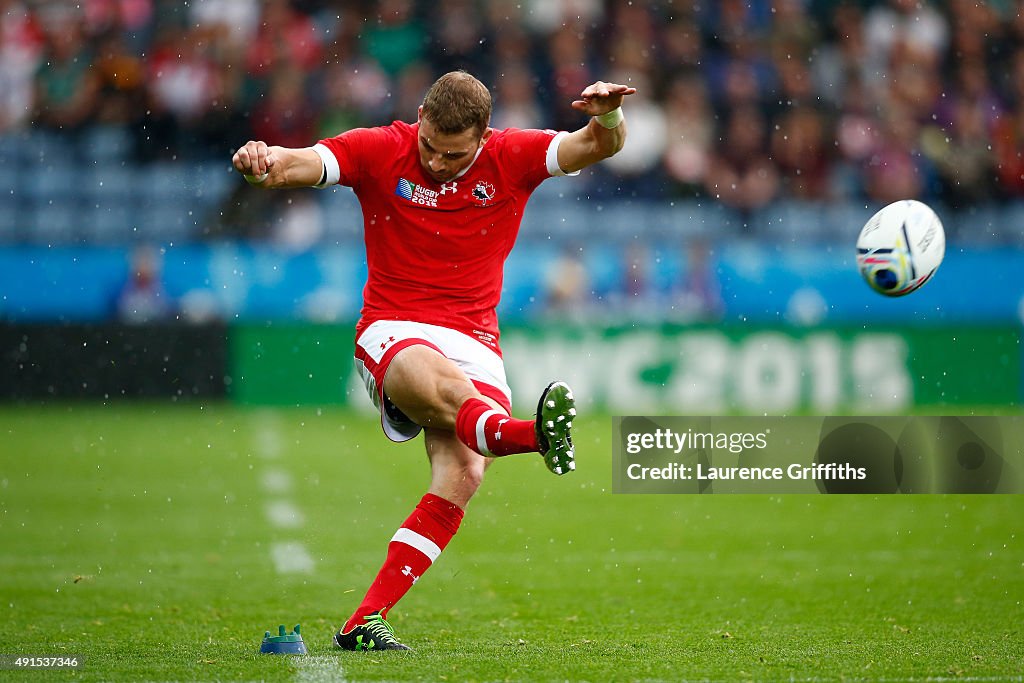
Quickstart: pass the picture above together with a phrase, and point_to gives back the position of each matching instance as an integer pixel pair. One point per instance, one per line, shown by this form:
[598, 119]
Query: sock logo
[497, 432]
[407, 570]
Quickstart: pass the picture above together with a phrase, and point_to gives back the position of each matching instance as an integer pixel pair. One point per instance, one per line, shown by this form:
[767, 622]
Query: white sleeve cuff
[552, 156]
[333, 174]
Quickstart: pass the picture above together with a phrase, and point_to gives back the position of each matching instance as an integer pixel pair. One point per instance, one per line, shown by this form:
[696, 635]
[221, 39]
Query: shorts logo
[417, 194]
[483, 192]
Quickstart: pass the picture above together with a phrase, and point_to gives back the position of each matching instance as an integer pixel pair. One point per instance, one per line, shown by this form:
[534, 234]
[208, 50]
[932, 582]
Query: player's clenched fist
[253, 160]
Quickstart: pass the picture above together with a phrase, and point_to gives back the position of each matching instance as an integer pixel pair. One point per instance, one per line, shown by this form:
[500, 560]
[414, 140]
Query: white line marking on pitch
[269, 443]
[291, 557]
[319, 669]
[284, 515]
[277, 481]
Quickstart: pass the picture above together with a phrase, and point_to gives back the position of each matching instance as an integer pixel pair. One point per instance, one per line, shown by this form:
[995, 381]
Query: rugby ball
[900, 247]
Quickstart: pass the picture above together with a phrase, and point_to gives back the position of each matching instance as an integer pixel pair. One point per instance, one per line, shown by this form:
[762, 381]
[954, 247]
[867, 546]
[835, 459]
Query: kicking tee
[436, 251]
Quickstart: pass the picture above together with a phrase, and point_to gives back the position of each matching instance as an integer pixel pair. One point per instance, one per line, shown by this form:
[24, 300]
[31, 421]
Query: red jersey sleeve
[349, 157]
[525, 155]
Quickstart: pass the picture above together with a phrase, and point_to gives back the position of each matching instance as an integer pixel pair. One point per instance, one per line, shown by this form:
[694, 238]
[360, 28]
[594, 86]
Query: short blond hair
[457, 102]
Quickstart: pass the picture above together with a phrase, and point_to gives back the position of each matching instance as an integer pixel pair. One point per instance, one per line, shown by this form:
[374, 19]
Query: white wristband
[612, 119]
[256, 179]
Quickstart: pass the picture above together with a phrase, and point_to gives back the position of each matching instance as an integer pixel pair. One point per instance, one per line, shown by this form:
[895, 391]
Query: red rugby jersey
[436, 252]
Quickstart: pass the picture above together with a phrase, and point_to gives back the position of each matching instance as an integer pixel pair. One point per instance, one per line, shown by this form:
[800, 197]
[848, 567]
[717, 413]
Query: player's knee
[471, 476]
[461, 481]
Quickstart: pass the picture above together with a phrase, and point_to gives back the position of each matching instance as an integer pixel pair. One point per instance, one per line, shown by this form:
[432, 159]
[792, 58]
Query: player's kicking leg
[555, 412]
[455, 475]
[433, 391]
[494, 433]
[373, 634]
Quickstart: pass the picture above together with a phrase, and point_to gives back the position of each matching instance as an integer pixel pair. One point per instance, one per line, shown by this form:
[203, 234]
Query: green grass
[136, 535]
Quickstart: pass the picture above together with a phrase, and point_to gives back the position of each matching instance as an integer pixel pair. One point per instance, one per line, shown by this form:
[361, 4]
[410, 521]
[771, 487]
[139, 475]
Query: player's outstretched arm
[603, 135]
[283, 166]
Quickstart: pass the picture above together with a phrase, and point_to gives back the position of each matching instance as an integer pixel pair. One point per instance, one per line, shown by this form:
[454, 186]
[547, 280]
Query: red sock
[491, 432]
[412, 550]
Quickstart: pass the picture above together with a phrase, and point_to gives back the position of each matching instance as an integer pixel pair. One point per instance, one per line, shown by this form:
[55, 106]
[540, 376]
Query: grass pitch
[160, 542]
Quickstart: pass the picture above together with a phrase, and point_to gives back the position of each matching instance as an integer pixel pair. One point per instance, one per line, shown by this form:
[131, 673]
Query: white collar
[475, 157]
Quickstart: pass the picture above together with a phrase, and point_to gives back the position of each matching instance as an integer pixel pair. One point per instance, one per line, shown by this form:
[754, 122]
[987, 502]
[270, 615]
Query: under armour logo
[497, 433]
[407, 570]
[383, 344]
[448, 187]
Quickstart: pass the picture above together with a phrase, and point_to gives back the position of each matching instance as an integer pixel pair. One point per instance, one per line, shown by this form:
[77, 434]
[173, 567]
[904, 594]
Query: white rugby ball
[900, 247]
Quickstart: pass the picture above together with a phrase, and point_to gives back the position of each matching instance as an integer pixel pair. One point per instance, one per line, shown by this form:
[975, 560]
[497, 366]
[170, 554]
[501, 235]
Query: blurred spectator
[183, 83]
[960, 142]
[21, 48]
[457, 37]
[747, 101]
[682, 46]
[299, 223]
[840, 63]
[891, 27]
[67, 86]
[636, 296]
[697, 295]
[356, 93]
[794, 34]
[394, 38]
[741, 174]
[971, 87]
[963, 157]
[129, 20]
[1008, 143]
[413, 83]
[345, 100]
[1008, 134]
[895, 168]
[225, 119]
[143, 299]
[233, 22]
[284, 115]
[800, 150]
[515, 98]
[285, 39]
[570, 72]
[634, 43]
[915, 83]
[567, 292]
[16, 87]
[546, 16]
[637, 165]
[122, 82]
[856, 133]
[689, 135]
[976, 29]
[727, 19]
[740, 76]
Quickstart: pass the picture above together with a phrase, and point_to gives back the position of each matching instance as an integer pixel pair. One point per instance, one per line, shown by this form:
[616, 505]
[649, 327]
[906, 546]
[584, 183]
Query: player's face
[444, 156]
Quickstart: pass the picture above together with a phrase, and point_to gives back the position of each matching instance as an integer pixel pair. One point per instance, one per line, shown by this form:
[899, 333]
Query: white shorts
[379, 343]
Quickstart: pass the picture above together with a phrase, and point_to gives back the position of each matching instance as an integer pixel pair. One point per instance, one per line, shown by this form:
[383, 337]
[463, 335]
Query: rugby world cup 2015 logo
[417, 194]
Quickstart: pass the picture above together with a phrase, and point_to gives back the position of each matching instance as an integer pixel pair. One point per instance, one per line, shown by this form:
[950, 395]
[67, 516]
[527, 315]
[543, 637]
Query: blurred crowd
[741, 101]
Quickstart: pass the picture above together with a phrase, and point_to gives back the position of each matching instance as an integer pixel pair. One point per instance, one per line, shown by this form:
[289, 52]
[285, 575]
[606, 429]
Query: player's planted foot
[555, 413]
[375, 634]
